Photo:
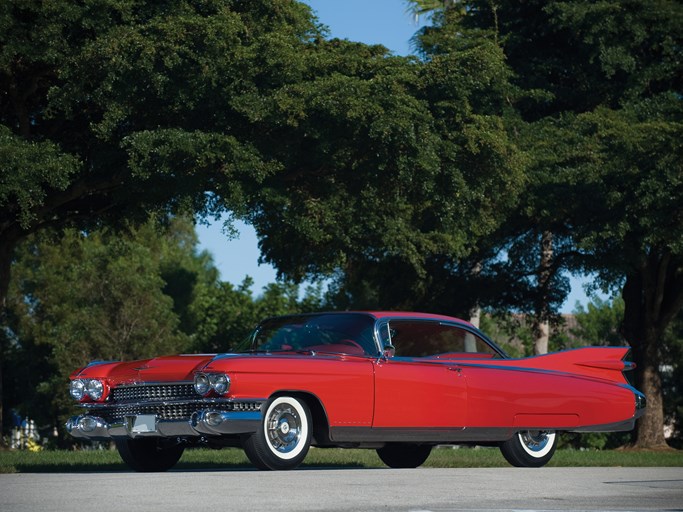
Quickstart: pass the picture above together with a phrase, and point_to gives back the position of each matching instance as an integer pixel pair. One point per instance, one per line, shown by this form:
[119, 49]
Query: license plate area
[142, 423]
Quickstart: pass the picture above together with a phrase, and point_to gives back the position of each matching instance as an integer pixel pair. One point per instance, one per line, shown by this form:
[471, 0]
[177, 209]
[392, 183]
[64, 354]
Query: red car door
[415, 388]
[418, 394]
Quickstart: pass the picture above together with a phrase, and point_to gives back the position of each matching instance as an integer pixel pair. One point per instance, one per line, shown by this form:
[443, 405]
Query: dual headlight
[92, 388]
[204, 383]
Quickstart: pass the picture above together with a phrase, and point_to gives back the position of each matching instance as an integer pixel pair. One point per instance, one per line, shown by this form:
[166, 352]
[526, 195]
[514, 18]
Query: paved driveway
[423, 489]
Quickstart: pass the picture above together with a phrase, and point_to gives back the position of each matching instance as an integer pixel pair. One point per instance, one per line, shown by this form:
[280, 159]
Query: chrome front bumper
[202, 423]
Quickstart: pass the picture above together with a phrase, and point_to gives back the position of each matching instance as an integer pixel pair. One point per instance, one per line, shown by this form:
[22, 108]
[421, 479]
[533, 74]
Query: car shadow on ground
[179, 468]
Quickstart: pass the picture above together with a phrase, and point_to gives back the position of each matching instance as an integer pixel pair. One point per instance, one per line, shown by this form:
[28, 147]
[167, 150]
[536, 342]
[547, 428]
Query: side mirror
[389, 351]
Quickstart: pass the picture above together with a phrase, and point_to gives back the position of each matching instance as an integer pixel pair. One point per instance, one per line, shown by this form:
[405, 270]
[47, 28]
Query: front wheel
[530, 448]
[284, 436]
[149, 454]
[404, 455]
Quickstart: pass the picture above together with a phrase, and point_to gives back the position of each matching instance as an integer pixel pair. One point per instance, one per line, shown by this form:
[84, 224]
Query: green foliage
[120, 295]
[113, 109]
[597, 110]
[630, 160]
[29, 171]
[223, 315]
[88, 296]
[401, 169]
[417, 184]
[599, 321]
[508, 331]
[598, 107]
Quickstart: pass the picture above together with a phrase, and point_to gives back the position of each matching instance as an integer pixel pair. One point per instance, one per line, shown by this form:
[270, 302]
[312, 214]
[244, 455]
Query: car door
[414, 388]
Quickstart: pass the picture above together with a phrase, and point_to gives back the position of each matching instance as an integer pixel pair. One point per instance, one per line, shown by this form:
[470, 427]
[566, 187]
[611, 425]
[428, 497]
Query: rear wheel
[404, 455]
[530, 448]
[149, 454]
[284, 436]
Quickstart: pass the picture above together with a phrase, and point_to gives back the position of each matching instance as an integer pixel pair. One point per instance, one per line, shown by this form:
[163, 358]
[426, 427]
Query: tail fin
[600, 362]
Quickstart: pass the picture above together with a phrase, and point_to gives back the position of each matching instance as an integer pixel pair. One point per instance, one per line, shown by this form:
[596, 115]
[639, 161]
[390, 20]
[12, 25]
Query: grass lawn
[231, 458]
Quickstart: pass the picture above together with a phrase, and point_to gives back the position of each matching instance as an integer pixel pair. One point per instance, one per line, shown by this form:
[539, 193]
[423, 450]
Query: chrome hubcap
[284, 428]
[534, 440]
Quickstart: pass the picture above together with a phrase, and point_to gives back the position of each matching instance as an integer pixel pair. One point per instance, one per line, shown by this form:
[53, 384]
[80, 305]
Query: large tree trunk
[10, 236]
[653, 295]
[475, 312]
[541, 326]
[6, 252]
[542, 337]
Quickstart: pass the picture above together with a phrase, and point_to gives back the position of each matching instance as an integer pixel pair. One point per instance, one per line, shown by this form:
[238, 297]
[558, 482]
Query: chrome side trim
[453, 435]
[619, 426]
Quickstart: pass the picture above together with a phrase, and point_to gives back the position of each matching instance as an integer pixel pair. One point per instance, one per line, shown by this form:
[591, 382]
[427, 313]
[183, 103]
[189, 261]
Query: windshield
[347, 333]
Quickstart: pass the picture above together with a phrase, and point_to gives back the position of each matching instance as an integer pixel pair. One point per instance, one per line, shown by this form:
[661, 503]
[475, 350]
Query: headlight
[219, 382]
[91, 388]
[77, 389]
[205, 382]
[201, 384]
[94, 388]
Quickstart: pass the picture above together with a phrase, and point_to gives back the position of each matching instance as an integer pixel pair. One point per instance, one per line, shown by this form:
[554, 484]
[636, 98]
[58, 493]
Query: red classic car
[399, 383]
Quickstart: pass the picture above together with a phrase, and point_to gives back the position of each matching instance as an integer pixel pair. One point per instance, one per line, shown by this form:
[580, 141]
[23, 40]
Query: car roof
[380, 315]
[414, 315]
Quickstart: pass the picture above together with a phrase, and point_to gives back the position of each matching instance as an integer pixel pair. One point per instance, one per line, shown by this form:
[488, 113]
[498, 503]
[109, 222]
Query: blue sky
[383, 22]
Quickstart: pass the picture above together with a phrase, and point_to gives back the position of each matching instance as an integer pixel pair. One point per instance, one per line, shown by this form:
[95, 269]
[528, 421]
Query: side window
[424, 338]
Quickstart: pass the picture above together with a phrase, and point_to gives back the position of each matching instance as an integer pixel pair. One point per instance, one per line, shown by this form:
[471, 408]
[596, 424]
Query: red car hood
[158, 369]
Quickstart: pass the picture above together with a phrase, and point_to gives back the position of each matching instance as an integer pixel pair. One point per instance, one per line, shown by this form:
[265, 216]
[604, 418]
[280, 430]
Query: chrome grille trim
[157, 391]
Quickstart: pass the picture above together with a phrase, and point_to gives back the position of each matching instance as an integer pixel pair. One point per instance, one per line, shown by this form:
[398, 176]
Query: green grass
[226, 459]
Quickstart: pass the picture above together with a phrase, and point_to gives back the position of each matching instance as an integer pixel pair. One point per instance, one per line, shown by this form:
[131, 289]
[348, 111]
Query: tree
[600, 323]
[120, 295]
[403, 168]
[223, 315]
[599, 86]
[116, 109]
[113, 110]
[82, 298]
[632, 160]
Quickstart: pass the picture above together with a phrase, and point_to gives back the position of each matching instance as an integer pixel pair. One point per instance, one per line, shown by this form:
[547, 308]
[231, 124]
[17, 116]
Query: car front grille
[167, 401]
[153, 392]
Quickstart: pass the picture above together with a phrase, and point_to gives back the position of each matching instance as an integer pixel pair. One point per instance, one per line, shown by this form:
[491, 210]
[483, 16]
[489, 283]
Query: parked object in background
[399, 383]
[25, 436]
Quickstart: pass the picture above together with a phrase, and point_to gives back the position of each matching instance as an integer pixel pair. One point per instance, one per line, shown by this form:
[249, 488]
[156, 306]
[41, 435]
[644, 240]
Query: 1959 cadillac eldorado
[400, 383]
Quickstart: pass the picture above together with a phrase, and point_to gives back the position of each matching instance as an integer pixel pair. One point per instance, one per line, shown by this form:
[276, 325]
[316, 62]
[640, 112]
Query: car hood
[158, 369]
[183, 367]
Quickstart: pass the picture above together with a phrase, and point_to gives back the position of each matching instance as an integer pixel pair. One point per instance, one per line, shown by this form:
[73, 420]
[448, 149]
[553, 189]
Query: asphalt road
[405, 490]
